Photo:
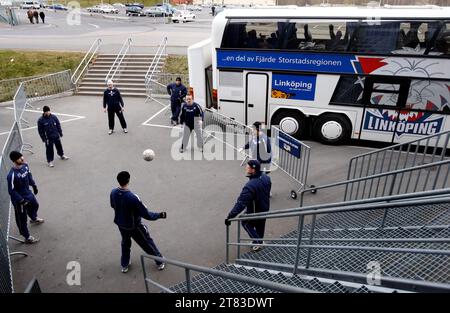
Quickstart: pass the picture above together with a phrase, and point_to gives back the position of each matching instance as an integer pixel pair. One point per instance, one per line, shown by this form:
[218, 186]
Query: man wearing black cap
[177, 92]
[25, 204]
[129, 210]
[50, 131]
[255, 197]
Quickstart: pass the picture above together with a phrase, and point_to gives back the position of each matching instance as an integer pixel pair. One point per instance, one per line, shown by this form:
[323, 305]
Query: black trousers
[49, 149]
[22, 212]
[141, 236]
[255, 229]
[111, 118]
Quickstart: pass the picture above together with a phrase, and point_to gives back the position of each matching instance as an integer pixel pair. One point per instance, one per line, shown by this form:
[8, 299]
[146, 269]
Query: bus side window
[442, 43]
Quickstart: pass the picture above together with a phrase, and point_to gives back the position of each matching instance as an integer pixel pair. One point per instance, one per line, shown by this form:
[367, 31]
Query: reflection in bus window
[369, 37]
[349, 90]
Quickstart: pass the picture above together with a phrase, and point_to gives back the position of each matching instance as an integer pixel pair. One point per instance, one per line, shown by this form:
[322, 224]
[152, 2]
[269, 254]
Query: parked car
[108, 9]
[183, 16]
[57, 6]
[194, 8]
[156, 11]
[134, 11]
[136, 4]
[119, 5]
[94, 9]
[30, 5]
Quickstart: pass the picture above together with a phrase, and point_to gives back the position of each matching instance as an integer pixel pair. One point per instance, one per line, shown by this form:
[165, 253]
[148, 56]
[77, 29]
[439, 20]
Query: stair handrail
[201, 269]
[92, 51]
[401, 147]
[118, 61]
[152, 68]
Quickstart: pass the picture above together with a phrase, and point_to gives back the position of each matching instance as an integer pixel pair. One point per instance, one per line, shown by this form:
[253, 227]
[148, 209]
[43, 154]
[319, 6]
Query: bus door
[383, 99]
[256, 97]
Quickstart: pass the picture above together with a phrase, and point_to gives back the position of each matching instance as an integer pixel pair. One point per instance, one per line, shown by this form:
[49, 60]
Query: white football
[148, 155]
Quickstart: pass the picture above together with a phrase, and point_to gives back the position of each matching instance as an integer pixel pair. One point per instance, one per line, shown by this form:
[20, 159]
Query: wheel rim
[289, 125]
[331, 130]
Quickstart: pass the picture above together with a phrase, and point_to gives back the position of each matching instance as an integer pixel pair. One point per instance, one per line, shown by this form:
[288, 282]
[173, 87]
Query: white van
[30, 5]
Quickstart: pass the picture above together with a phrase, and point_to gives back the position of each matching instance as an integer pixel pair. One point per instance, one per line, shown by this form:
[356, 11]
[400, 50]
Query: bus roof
[419, 12]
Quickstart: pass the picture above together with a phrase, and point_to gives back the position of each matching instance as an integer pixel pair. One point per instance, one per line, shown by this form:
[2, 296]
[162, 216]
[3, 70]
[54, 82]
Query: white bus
[335, 73]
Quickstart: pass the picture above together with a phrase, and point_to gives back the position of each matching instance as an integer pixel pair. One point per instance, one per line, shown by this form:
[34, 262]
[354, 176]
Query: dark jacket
[177, 93]
[113, 100]
[129, 209]
[260, 148]
[189, 113]
[49, 127]
[19, 182]
[255, 196]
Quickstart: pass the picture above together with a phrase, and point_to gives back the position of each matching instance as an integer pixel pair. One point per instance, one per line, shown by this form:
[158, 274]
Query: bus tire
[332, 129]
[291, 122]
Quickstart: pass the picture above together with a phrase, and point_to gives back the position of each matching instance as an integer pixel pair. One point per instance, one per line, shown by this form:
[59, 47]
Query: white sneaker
[37, 221]
[110, 132]
[30, 240]
[126, 268]
[125, 130]
[50, 164]
[64, 157]
[161, 266]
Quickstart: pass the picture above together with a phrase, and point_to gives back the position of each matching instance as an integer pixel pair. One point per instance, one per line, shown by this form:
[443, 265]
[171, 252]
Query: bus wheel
[291, 122]
[331, 129]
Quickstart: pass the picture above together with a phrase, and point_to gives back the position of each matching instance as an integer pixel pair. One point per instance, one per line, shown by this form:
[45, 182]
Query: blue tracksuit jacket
[177, 93]
[255, 196]
[113, 100]
[129, 209]
[49, 128]
[19, 182]
[189, 113]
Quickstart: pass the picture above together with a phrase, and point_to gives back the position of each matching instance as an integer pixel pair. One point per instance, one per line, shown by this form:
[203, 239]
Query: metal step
[100, 94]
[117, 84]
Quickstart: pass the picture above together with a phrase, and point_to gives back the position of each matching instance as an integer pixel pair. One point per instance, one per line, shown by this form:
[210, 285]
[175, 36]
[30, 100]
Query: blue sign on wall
[299, 61]
[289, 144]
[296, 87]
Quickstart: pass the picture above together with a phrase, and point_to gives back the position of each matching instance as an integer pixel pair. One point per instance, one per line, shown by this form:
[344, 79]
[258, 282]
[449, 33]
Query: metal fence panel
[6, 285]
[45, 86]
[20, 102]
[291, 156]
[157, 86]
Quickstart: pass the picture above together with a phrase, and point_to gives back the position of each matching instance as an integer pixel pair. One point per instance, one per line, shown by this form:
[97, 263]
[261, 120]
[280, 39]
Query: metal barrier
[151, 82]
[8, 16]
[416, 152]
[118, 61]
[86, 61]
[292, 157]
[13, 142]
[234, 134]
[337, 242]
[235, 277]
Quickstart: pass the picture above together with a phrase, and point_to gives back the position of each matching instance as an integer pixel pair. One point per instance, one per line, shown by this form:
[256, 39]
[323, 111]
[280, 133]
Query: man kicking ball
[129, 210]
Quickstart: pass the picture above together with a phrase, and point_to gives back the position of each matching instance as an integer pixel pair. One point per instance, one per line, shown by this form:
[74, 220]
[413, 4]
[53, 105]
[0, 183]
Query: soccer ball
[148, 155]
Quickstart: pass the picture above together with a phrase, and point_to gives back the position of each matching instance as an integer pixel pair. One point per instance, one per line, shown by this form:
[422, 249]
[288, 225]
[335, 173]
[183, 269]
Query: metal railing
[308, 236]
[150, 81]
[291, 156]
[416, 152]
[226, 275]
[86, 61]
[118, 61]
[424, 177]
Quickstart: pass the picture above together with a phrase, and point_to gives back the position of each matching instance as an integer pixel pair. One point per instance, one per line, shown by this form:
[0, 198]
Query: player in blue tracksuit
[113, 104]
[192, 118]
[25, 204]
[259, 147]
[254, 198]
[177, 92]
[129, 211]
[50, 131]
